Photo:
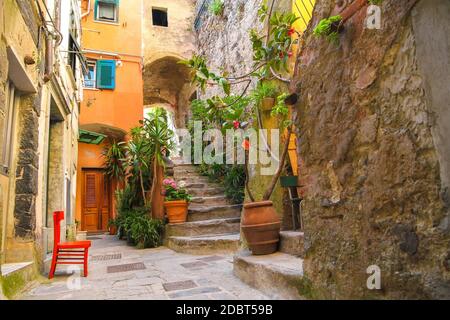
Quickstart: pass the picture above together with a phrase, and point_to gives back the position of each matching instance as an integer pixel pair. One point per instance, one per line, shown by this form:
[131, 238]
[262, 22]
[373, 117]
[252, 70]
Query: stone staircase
[213, 224]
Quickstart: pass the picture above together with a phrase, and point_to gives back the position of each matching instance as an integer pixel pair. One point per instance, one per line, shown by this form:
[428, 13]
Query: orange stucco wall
[119, 108]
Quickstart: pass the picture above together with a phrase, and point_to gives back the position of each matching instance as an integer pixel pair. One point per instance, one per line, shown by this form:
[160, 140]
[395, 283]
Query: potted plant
[272, 52]
[265, 95]
[112, 226]
[176, 201]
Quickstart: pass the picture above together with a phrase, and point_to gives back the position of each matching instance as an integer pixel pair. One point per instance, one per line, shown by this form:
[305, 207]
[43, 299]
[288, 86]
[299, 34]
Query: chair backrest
[58, 216]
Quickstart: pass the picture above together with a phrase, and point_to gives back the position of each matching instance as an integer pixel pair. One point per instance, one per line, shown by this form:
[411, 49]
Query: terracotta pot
[261, 227]
[176, 211]
[267, 104]
[113, 230]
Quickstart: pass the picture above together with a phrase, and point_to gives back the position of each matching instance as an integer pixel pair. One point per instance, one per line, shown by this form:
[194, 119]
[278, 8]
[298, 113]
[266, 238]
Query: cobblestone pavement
[118, 271]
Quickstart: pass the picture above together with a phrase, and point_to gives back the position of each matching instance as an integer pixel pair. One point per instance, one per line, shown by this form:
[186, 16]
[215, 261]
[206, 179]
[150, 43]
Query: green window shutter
[106, 74]
[116, 2]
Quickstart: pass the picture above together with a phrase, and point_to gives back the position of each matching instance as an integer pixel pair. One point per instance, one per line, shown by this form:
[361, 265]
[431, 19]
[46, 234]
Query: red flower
[236, 124]
[281, 55]
[291, 31]
[246, 144]
[290, 54]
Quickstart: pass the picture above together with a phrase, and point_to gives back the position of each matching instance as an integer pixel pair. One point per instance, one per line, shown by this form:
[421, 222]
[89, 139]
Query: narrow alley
[118, 271]
[224, 150]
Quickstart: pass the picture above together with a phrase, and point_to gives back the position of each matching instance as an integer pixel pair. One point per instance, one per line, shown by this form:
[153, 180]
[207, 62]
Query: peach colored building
[112, 102]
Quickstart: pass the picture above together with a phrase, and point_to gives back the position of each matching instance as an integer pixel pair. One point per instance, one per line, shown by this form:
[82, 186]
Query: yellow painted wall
[303, 9]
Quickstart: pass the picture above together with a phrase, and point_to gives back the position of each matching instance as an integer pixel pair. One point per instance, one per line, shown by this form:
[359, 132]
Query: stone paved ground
[167, 275]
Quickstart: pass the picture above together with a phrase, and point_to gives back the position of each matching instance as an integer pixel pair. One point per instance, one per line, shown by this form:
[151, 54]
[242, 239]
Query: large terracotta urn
[261, 227]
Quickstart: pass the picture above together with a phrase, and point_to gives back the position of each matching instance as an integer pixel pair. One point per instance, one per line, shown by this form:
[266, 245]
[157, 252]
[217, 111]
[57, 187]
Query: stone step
[291, 242]
[199, 213]
[186, 169]
[200, 245]
[196, 191]
[192, 179]
[214, 200]
[16, 278]
[201, 228]
[278, 275]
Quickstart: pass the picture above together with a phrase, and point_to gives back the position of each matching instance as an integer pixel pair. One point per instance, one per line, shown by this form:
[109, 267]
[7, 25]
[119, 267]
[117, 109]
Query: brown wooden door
[96, 201]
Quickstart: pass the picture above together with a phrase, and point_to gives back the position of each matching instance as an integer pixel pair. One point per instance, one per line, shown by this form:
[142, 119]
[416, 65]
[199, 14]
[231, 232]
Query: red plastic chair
[67, 252]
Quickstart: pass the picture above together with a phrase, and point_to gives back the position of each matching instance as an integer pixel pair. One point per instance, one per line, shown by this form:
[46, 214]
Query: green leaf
[225, 86]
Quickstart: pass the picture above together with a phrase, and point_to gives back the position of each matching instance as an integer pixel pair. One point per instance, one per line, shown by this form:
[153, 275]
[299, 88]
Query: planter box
[81, 235]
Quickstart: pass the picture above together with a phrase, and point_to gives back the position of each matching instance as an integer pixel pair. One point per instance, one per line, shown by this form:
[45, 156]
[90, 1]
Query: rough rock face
[374, 193]
[224, 39]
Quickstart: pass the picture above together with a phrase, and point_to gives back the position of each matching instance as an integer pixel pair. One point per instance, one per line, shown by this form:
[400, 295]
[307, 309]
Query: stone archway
[167, 83]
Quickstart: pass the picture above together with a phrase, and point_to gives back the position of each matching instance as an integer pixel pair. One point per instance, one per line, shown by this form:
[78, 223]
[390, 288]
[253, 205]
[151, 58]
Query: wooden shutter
[106, 74]
[91, 198]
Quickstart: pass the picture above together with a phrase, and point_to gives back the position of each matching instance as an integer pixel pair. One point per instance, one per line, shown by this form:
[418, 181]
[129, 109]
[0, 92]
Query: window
[106, 10]
[159, 17]
[10, 115]
[101, 74]
[106, 74]
[90, 76]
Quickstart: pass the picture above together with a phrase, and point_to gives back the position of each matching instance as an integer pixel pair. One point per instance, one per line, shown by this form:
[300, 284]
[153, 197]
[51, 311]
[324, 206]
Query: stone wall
[27, 168]
[371, 165]
[177, 39]
[19, 31]
[167, 83]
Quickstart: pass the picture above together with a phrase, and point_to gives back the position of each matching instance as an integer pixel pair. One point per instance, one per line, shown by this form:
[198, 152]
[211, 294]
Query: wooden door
[96, 201]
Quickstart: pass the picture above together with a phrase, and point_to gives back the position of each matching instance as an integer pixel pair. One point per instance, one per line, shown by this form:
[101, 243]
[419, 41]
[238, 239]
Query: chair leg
[86, 255]
[54, 262]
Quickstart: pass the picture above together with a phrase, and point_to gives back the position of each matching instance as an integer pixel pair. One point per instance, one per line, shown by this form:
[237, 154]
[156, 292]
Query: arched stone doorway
[167, 83]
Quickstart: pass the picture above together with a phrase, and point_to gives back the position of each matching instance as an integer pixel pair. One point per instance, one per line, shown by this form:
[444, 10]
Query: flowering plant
[173, 192]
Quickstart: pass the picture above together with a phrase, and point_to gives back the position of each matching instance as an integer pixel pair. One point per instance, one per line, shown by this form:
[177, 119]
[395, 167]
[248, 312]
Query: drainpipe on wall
[49, 51]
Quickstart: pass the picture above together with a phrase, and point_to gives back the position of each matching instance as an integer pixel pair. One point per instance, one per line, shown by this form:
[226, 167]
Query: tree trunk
[247, 178]
[275, 178]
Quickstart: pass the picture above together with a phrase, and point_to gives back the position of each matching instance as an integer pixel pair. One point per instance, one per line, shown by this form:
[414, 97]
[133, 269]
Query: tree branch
[242, 95]
[279, 77]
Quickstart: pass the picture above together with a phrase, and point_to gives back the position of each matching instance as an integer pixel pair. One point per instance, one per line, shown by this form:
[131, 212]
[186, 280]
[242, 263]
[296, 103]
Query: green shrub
[146, 232]
[216, 7]
[234, 184]
[139, 228]
[325, 28]
[126, 218]
[125, 199]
